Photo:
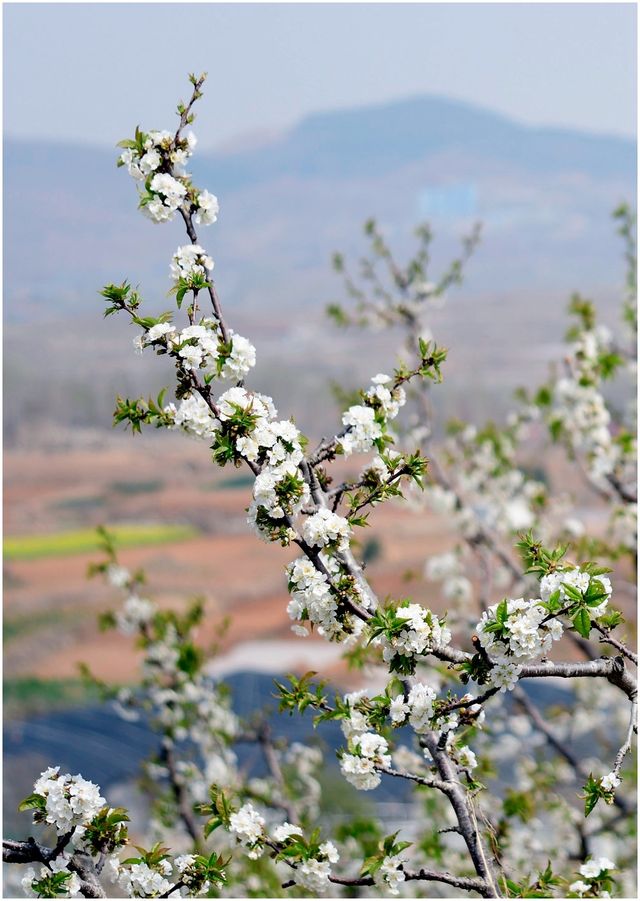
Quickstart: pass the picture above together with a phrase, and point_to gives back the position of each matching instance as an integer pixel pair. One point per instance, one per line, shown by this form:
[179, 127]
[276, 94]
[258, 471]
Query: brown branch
[429, 781]
[265, 740]
[623, 493]
[552, 739]
[618, 645]
[187, 217]
[424, 875]
[626, 747]
[180, 795]
[610, 668]
[186, 112]
[462, 807]
[174, 888]
[471, 702]
[30, 851]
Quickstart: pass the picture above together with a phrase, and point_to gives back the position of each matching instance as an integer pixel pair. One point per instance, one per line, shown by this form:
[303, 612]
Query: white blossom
[247, 825]
[207, 209]
[324, 528]
[190, 260]
[580, 580]
[70, 801]
[313, 875]
[504, 676]
[390, 874]
[466, 758]
[610, 781]
[524, 633]
[398, 709]
[118, 576]
[594, 867]
[283, 832]
[367, 751]
[363, 430]
[139, 880]
[423, 631]
[136, 612]
[241, 359]
[193, 416]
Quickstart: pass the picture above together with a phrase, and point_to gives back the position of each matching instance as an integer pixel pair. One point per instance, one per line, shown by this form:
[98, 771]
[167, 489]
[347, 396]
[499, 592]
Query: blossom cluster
[517, 629]
[582, 412]
[582, 581]
[158, 160]
[594, 869]
[69, 801]
[313, 875]
[365, 423]
[420, 710]
[248, 827]
[188, 261]
[193, 416]
[417, 631]
[72, 887]
[201, 347]
[313, 869]
[136, 613]
[314, 599]
[579, 411]
[326, 529]
[366, 753]
[139, 880]
[390, 875]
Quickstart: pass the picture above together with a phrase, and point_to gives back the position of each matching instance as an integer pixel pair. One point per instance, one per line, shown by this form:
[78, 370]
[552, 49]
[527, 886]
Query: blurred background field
[290, 196]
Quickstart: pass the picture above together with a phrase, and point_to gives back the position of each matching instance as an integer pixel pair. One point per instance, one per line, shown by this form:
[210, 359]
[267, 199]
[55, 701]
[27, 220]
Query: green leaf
[572, 592]
[502, 612]
[582, 622]
[33, 802]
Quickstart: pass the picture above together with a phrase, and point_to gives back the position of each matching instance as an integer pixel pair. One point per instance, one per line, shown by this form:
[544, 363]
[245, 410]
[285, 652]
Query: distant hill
[377, 140]
[544, 196]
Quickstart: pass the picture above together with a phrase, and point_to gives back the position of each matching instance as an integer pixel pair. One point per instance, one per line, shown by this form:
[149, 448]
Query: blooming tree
[502, 803]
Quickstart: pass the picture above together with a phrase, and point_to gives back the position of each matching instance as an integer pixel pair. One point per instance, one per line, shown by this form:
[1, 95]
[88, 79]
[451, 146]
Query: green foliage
[541, 888]
[626, 219]
[120, 297]
[139, 412]
[206, 869]
[107, 832]
[538, 559]
[80, 541]
[33, 802]
[52, 885]
[593, 792]
[219, 810]
[196, 282]
[388, 847]
[301, 693]
[518, 804]
[152, 857]
[373, 489]
[27, 695]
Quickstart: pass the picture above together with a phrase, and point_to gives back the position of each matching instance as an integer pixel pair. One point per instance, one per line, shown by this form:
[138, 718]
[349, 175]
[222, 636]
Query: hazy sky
[90, 71]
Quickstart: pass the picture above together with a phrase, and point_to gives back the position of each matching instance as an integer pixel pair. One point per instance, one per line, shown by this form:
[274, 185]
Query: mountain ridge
[69, 211]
